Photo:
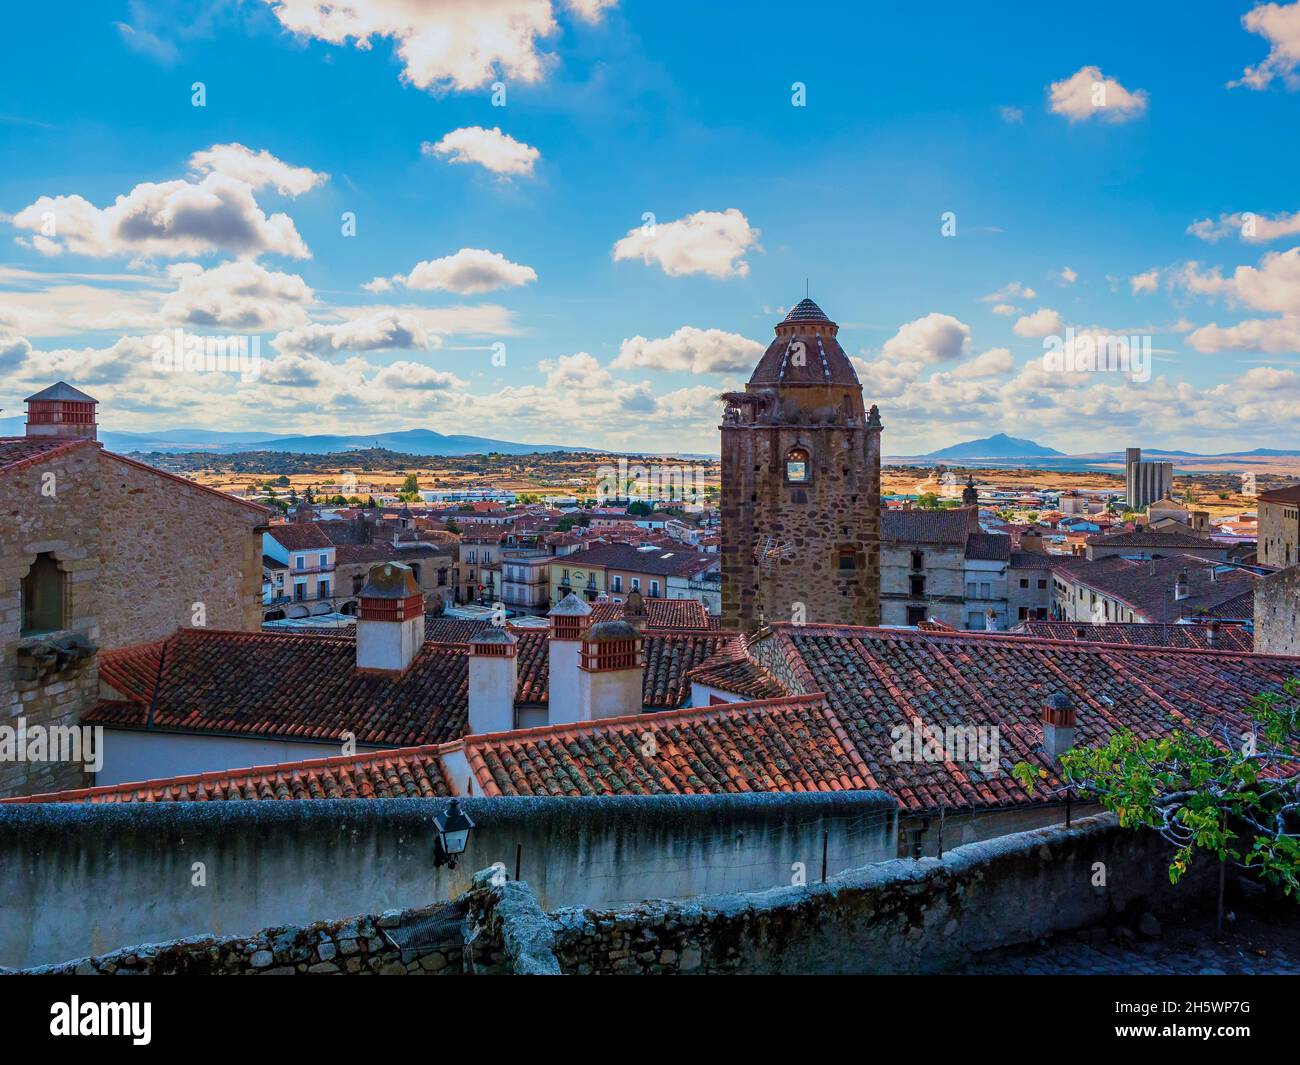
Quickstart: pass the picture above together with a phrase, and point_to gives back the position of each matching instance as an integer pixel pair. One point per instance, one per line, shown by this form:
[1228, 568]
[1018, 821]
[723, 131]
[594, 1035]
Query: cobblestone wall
[419, 942]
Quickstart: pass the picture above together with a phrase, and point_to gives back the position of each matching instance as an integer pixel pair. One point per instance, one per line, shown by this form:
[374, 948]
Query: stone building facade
[1277, 613]
[99, 552]
[801, 485]
[1279, 526]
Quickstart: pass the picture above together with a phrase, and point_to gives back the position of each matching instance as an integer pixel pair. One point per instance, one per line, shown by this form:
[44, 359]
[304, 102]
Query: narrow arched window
[797, 465]
[43, 597]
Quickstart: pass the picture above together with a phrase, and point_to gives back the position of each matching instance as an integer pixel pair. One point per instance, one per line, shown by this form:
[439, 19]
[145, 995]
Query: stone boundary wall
[230, 868]
[899, 916]
[429, 941]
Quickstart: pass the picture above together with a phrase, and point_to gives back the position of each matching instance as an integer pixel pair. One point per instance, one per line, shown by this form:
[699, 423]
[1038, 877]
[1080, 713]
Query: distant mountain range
[406, 442]
[999, 446]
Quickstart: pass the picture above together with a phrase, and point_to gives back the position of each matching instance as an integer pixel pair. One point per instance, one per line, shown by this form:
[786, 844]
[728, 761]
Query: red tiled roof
[18, 451]
[789, 744]
[866, 688]
[878, 680]
[732, 670]
[1148, 586]
[988, 547]
[670, 560]
[1288, 494]
[1144, 538]
[299, 686]
[408, 773]
[948, 526]
[1229, 637]
[671, 656]
[659, 613]
[300, 536]
[306, 686]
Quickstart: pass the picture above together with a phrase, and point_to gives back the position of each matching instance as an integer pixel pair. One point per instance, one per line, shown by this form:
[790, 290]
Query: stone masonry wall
[1277, 613]
[840, 508]
[48, 507]
[419, 942]
[930, 915]
[167, 545]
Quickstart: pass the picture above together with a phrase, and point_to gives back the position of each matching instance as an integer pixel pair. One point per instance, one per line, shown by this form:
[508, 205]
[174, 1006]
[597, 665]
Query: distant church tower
[970, 495]
[801, 485]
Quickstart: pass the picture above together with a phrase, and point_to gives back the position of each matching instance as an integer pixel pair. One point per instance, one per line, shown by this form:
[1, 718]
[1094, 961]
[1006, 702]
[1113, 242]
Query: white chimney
[990, 620]
[390, 624]
[1180, 587]
[610, 672]
[493, 678]
[1058, 725]
[569, 618]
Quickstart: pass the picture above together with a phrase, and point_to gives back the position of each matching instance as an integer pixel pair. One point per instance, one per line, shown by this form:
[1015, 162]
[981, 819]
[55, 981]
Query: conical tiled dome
[805, 352]
[806, 311]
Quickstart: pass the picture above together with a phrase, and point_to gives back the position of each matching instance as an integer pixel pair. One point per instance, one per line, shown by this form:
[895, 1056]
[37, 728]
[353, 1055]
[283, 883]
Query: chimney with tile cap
[493, 679]
[610, 672]
[1058, 725]
[61, 410]
[570, 619]
[390, 623]
[1180, 587]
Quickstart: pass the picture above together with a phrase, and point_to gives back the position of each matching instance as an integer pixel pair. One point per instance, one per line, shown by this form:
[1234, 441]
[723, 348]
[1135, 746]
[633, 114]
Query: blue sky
[610, 334]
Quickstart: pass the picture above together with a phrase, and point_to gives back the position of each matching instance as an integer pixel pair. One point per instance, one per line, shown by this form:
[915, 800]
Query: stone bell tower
[801, 485]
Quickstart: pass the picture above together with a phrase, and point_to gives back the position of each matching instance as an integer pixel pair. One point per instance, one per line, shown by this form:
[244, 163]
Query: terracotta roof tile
[877, 680]
[300, 686]
[1229, 637]
[408, 773]
[659, 613]
[781, 745]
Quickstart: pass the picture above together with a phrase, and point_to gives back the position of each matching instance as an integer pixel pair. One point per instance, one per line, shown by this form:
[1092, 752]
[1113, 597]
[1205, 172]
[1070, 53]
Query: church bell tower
[801, 485]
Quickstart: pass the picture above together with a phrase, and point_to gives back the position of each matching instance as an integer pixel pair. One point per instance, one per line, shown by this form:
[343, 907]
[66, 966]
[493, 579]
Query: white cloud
[13, 351]
[1272, 286]
[1145, 283]
[690, 349]
[1279, 24]
[63, 303]
[168, 219]
[992, 363]
[1250, 227]
[468, 271]
[240, 295]
[706, 242]
[1043, 322]
[489, 148]
[931, 339]
[589, 10]
[1012, 290]
[1012, 116]
[1068, 276]
[256, 169]
[383, 330]
[443, 44]
[1088, 93]
[1003, 309]
[415, 375]
[1257, 334]
[578, 372]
